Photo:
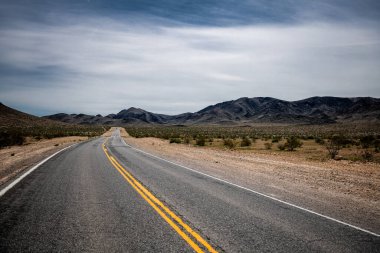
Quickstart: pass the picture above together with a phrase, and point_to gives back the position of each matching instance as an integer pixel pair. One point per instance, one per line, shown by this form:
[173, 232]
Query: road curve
[91, 198]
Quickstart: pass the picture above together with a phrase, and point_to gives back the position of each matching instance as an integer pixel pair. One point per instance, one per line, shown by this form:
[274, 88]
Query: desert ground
[345, 189]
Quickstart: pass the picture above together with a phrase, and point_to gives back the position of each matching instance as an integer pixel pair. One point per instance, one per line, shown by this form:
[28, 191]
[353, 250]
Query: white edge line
[17, 180]
[258, 193]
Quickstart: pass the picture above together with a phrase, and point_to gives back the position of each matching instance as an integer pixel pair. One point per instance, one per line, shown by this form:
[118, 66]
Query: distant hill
[314, 110]
[10, 117]
[124, 117]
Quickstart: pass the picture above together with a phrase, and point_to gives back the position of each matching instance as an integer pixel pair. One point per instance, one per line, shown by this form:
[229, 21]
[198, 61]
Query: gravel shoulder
[16, 159]
[345, 190]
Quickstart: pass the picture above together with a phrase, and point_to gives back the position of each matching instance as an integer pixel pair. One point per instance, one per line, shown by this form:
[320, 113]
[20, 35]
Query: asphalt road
[118, 199]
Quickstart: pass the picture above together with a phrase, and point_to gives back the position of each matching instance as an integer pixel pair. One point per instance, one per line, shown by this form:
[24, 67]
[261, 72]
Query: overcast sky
[175, 56]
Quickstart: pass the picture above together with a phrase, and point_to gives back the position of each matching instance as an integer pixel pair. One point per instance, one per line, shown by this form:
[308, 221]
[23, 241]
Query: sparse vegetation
[292, 143]
[276, 139]
[201, 141]
[335, 141]
[10, 136]
[268, 145]
[175, 140]
[333, 145]
[319, 140]
[187, 140]
[367, 155]
[368, 141]
[245, 142]
[370, 144]
[229, 143]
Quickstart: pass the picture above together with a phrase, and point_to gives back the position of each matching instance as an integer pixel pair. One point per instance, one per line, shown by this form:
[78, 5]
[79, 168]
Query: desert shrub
[334, 145]
[367, 141]
[319, 140]
[268, 145]
[175, 140]
[11, 138]
[345, 141]
[376, 144]
[229, 143]
[245, 142]
[292, 143]
[186, 140]
[281, 146]
[253, 138]
[166, 137]
[276, 138]
[201, 141]
[367, 155]
[370, 144]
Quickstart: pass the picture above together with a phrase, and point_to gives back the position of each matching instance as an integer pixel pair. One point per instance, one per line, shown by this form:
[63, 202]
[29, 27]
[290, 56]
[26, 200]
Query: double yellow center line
[188, 234]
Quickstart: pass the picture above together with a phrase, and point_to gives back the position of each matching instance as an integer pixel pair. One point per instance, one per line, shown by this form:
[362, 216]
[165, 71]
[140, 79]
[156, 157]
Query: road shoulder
[15, 160]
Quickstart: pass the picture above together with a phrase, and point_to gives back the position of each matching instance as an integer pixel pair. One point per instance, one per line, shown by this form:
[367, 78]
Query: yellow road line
[167, 210]
[152, 200]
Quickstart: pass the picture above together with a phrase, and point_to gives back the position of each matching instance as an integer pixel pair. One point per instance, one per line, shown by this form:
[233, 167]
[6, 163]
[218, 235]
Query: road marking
[156, 203]
[258, 193]
[16, 181]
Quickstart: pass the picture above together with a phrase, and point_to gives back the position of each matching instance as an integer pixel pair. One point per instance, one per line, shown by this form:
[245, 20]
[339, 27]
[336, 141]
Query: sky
[176, 56]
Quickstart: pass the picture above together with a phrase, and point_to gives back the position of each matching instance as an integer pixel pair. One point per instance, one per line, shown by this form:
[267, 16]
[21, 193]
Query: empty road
[105, 196]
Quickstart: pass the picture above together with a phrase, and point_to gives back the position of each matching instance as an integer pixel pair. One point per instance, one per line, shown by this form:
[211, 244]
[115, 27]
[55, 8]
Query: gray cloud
[102, 65]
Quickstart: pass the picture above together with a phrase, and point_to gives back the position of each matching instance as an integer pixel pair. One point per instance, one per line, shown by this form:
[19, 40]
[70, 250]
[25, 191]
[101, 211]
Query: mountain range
[10, 117]
[314, 110]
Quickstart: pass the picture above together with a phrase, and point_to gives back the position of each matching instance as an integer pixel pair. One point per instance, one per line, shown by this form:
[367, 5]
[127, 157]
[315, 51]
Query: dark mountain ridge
[314, 110]
[10, 117]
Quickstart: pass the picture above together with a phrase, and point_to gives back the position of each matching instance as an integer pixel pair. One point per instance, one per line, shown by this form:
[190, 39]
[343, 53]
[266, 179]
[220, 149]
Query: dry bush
[268, 145]
[201, 141]
[175, 140]
[292, 143]
[245, 142]
[334, 145]
[229, 143]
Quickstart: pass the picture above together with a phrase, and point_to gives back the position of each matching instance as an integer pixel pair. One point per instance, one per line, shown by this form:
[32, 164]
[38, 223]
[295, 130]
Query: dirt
[342, 189]
[15, 159]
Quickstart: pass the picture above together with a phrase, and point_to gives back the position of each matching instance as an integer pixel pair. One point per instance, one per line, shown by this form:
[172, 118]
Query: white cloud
[104, 66]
